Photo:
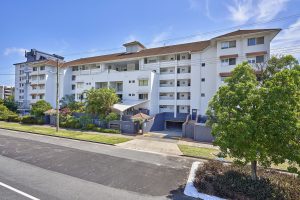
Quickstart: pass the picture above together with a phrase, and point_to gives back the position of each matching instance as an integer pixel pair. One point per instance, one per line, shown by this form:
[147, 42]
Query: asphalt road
[42, 167]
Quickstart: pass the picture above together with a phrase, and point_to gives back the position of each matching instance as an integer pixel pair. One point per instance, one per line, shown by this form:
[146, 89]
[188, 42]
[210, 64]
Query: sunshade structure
[141, 116]
[50, 112]
[125, 105]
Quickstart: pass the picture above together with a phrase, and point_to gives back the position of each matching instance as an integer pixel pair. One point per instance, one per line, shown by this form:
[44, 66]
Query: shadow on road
[177, 194]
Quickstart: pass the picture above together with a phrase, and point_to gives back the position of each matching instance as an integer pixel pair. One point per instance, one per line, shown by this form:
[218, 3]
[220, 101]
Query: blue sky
[76, 29]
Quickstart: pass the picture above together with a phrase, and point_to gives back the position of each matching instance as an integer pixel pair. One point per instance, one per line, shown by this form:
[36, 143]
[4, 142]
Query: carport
[174, 125]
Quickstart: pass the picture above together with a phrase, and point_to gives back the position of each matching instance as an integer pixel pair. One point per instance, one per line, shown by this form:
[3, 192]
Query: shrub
[13, 118]
[104, 130]
[90, 127]
[112, 116]
[39, 108]
[85, 120]
[4, 112]
[29, 120]
[235, 182]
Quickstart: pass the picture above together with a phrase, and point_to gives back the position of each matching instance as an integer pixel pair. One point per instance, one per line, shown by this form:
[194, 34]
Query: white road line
[18, 191]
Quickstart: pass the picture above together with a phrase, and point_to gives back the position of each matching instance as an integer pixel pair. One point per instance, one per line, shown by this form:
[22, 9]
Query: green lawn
[206, 153]
[198, 152]
[64, 133]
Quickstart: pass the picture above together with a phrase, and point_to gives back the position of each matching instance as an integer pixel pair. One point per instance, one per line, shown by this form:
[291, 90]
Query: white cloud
[288, 41]
[14, 50]
[268, 9]
[241, 11]
[244, 10]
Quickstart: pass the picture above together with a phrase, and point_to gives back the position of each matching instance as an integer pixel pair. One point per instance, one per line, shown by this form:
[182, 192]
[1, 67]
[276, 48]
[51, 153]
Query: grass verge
[64, 133]
[207, 153]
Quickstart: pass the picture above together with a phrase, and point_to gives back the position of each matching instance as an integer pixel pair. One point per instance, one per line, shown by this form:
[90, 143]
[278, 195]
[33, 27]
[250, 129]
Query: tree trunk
[253, 170]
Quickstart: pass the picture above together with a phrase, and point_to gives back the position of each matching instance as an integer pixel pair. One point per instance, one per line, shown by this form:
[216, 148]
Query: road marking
[18, 191]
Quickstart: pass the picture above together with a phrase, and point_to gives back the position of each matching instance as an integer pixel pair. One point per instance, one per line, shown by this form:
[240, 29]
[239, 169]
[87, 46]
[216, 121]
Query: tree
[100, 101]
[255, 122]
[11, 104]
[276, 64]
[230, 114]
[279, 118]
[39, 108]
[67, 100]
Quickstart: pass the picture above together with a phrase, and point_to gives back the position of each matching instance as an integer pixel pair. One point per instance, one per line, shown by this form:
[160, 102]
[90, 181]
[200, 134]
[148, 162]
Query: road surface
[47, 168]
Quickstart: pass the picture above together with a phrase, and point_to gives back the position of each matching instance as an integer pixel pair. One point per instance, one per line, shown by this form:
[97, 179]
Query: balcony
[166, 102]
[166, 96]
[183, 102]
[168, 63]
[167, 76]
[166, 108]
[184, 62]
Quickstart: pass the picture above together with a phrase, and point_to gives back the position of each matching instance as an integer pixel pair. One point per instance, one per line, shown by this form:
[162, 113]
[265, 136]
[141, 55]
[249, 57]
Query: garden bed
[234, 182]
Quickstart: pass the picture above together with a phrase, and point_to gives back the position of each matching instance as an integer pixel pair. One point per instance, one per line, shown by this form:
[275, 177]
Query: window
[133, 81]
[202, 95]
[42, 87]
[251, 60]
[260, 40]
[129, 95]
[73, 77]
[143, 82]
[129, 81]
[257, 59]
[34, 87]
[34, 69]
[83, 67]
[75, 68]
[203, 79]
[228, 44]
[232, 61]
[203, 64]
[260, 59]
[143, 96]
[42, 77]
[255, 41]
[73, 87]
[41, 96]
[42, 68]
[133, 95]
[80, 85]
[33, 96]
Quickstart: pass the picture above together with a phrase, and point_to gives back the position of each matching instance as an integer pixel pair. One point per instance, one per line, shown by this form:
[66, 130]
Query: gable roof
[188, 47]
[243, 32]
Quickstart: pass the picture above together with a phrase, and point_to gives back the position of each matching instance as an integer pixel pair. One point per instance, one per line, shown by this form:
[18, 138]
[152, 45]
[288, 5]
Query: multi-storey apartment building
[177, 80]
[6, 91]
[35, 79]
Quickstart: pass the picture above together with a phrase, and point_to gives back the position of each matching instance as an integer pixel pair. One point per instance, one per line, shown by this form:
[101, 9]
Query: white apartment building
[35, 79]
[6, 91]
[178, 79]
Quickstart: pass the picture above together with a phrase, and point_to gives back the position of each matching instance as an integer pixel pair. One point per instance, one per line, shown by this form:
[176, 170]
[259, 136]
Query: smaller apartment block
[170, 81]
[6, 91]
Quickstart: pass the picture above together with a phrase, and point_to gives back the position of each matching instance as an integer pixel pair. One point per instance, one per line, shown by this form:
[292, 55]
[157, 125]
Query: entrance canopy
[126, 104]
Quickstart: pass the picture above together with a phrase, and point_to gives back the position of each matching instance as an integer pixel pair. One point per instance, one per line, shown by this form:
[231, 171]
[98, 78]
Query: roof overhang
[121, 107]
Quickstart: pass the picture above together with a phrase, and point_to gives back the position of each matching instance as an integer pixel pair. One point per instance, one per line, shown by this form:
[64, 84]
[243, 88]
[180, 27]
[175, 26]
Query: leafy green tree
[230, 114]
[255, 122]
[11, 104]
[99, 101]
[278, 118]
[276, 64]
[67, 100]
[39, 108]
[4, 112]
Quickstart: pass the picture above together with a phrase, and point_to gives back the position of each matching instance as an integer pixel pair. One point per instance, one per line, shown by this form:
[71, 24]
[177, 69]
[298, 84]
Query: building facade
[35, 79]
[6, 91]
[178, 79]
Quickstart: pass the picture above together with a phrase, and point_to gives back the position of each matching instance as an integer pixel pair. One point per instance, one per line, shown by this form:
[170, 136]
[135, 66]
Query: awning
[121, 107]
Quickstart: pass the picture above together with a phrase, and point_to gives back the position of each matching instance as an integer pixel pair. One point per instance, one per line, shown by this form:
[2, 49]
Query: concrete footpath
[158, 143]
